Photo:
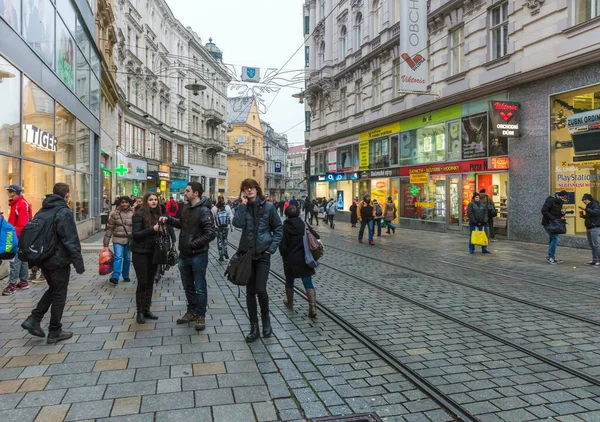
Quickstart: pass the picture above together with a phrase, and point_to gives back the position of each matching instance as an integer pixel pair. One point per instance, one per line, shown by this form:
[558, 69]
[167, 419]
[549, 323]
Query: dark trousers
[378, 225]
[313, 216]
[193, 276]
[257, 286]
[55, 296]
[330, 217]
[145, 271]
[491, 227]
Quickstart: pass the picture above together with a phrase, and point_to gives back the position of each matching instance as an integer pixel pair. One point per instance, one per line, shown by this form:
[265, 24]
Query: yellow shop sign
[363, 155]
[379, 132]
[416, 178]
[438, 116]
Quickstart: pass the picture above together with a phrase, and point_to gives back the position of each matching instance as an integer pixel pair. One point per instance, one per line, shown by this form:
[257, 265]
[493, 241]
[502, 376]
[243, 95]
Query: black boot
[33, 326]
[56, 336]
[140, 318]
[254, 333]
[150, 315]
[264, 314]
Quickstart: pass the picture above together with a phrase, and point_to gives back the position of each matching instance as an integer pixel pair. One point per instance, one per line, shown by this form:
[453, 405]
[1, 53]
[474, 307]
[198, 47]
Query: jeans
[122, 261]
[19, 271]
[145, 271]
[313, 215]
[193, 275]
[361, 231]
[330, 217]
[55, 296]
[593, 236]
[552, 243]
[390, 226]
[378, 224]
[257, 286]
[307, 281]
[472, 246]
[222, 233]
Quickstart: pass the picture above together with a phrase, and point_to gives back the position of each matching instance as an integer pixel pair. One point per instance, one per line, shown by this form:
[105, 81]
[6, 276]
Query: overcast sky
[259, 33]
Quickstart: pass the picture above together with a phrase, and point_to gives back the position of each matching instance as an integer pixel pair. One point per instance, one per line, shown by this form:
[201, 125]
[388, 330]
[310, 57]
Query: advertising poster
[363, 152]
[10, 10]
[414, 72]
[379, 190]
[454, 143]
[340, 200]
[65, 55]
[38, 28]
[474, 136]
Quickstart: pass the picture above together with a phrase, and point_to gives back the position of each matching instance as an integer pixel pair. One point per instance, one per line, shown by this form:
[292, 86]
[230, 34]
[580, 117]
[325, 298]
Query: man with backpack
[20, 215]
[552, 212]
[223, 216]
[50, 240]
[331, 210]
[378, 215]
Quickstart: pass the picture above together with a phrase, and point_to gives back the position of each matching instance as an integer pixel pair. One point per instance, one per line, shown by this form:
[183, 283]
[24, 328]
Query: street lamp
[195, 87]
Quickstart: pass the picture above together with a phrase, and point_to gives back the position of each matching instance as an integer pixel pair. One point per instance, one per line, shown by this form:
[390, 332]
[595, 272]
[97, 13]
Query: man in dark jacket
[197, 231]
[478, 218]
[552, 210]
[57, 268]
[591, 214]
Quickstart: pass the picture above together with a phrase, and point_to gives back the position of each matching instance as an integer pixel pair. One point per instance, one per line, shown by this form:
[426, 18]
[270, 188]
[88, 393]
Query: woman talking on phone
[261, 233]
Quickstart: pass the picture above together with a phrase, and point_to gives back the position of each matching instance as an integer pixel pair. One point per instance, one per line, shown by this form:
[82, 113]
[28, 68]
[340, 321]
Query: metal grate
[363, 417]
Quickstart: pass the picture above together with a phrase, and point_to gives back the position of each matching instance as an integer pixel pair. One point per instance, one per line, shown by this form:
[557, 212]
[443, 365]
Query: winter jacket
[353, 214]
[592, 215]
[478, 214]
[68, 247]
[551, 210]
[215, 211]
[197, 228]
[172, 208]
[331, 208]
[119, 227]
[263, 236]
[389, 212]
[366, 212]
[144, 236]
[314, 207]
[20, 213]
[292, 249]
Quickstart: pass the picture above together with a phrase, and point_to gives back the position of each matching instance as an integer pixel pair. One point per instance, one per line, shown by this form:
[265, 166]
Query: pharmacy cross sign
[121, 170]
[414, 190]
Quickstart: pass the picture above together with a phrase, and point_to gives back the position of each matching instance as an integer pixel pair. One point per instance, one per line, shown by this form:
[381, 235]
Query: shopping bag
[479, 238]
[161, 249]
[105, 262]
[239, 268]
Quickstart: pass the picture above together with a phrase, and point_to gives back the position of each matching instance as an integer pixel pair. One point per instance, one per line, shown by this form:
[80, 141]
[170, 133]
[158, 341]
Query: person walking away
[552, 210]
[20, 215]
[198, 229]
[591, 214]
[491, 207]
[314, 211]
[222, 221]
[390, 214]
[56, 268]
[294, 264]
[172, 207]
[145, 230]
[478, 216]
[366, 215]
[306, 205]
[294, 201]
[261, 234]
[353, 214]
[120, 228]
[378, 216]
[331, 210]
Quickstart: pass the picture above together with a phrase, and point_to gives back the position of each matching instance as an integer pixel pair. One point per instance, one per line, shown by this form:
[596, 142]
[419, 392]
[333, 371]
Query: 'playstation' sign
[250, 74]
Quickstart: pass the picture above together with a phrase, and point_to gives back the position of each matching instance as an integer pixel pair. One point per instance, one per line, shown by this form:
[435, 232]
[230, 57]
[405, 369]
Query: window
[180, 154]
[358, 32]
[423, 145]
[137, 46]
[376, 17]
[321, 162]
[343, 102]
[82, 147]
[11, 13]
[343, 47]
[166, 151]
[376, 87]
[358, 96]
[82, 197]
[65, 55]
[322, 9]
[379, 154]
[394, 151]
[38, 180]
[151, 146]
[424, 201]
[10, 118]
[39, 28]
[457, 55]
[321, 55]
[39, 142]
[65, 132]
[585, 10]
[10, 172]
[253, 146]
[499, 30]
[306, 25]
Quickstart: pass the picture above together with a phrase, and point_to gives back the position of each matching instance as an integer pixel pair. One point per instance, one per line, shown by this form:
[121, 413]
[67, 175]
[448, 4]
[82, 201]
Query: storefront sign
[131, 168]
[582, 122]
[416, 178]
[414, 71]
[499, 163]
[335, 177]
[384, 173]
[277, 166]
[505, 117]
[435, 117]
[344, 141]
[380, 132]
[420, 204]
[469, 166]
[181, 174]
[223, 173]
[164, 172]
[363, 155]
[39, 139]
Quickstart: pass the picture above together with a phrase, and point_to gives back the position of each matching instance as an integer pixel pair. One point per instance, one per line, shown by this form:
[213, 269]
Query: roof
[238, 109]
[295, 149]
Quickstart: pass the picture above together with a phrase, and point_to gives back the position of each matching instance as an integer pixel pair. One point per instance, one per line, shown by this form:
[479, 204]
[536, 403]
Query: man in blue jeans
[197, 231]
[120, 228]
[551, 211]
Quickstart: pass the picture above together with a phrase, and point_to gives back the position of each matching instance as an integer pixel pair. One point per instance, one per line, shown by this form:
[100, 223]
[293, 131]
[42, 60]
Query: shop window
[65, 137]
[474, 136]
[394, 150]
[10, 118]
[379, 154]
[9, 173]
[39, 142]
[38, 180]
[468, 189]
[424, 201]
[39, 28]
[82, 197]
[83, 147]
[584, 10]
[347, 158]
[423, 145]
[11, 13]
[66, 176]
[499, 30]
[65, 55]
[454, 140]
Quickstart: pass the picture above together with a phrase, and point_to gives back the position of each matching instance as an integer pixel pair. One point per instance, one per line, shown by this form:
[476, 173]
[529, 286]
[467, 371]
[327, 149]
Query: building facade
[50, 114]
[297, 177]
[245, 158]
[275, 150]
[432, 150]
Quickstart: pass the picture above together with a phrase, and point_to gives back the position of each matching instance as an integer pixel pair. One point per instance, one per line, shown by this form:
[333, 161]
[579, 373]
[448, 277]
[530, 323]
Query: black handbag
[558, 226]
[239, 268]
[161, 249]
[173, 256]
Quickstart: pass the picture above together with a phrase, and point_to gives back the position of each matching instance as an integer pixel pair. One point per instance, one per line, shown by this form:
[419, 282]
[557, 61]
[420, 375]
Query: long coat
[292, 249]
[353, 214]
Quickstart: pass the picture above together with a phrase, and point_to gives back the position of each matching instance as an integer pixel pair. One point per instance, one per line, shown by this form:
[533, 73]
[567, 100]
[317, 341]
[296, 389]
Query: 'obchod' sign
[506, 118]
[414, 72]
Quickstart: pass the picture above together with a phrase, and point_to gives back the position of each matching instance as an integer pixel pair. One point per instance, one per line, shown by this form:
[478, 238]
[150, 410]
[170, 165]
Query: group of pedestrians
[371, 213]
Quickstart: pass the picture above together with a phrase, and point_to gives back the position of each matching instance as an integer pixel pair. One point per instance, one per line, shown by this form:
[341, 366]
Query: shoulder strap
[123, 223]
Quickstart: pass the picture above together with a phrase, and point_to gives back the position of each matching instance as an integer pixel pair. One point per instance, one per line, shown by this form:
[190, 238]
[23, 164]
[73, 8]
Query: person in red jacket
[20, 215]
[172, 207]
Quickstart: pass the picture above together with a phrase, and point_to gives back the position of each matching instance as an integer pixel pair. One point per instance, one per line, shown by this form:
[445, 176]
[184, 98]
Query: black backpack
[38, 238]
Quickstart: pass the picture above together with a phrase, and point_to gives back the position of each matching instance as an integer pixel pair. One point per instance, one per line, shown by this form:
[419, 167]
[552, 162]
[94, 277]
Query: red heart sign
[506, 116]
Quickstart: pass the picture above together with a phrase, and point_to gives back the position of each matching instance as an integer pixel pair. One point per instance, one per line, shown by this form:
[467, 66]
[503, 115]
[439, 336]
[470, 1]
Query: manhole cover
[364, 417]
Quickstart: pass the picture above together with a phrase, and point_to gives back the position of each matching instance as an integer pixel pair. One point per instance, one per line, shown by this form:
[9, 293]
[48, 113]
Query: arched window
[358, 31]
[322, 54]
[343, 46]
[253, 146]
[376, 17]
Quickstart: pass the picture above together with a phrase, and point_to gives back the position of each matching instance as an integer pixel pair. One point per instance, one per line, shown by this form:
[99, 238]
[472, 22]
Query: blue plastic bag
[9, 243]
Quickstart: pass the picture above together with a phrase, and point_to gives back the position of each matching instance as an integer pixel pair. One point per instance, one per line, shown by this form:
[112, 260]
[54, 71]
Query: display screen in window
[474, 136]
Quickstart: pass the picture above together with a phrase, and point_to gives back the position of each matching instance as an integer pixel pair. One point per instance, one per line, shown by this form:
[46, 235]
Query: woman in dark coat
[294, 264]
[353, 214]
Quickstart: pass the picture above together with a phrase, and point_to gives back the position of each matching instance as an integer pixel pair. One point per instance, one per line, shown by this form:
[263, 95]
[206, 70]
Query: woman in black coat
[353, 214]
[294, 264]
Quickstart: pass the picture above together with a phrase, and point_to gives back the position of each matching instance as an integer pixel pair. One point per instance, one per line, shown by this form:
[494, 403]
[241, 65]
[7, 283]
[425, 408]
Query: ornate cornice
[534, 6]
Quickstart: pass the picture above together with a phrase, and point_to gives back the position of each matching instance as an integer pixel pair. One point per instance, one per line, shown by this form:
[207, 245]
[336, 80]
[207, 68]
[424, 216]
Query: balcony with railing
[214, 116]
[213, 145]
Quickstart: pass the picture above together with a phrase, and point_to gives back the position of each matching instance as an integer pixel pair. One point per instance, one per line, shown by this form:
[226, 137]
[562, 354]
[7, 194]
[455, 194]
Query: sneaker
[200, 323]
[127, 280]
[56, 336]
[41, 278]
[554, 261]
[9, 290]
[492, 240]
[113, 281]
[188, 317]
[23, 285]
[221, 259]
[226, 256]
[485, 252]
[591, 263]
[360, 241]
[596, 265]
[372, 243]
